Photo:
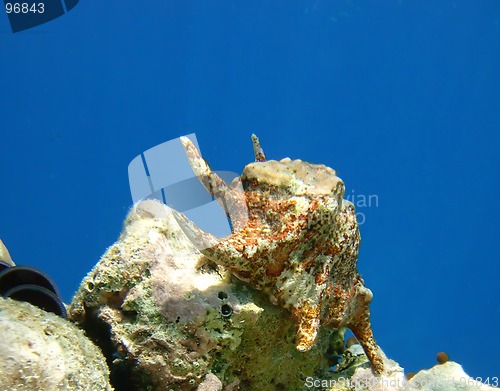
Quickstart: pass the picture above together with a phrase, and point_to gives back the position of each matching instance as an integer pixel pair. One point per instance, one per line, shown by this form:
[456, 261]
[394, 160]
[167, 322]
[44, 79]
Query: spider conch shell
[294, 238]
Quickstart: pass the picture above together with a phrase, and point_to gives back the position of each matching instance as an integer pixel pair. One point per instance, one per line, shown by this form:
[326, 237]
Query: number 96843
[24, 8]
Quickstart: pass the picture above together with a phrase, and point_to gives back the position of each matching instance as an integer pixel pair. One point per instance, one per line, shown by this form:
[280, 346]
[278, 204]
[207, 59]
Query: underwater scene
[249, 195]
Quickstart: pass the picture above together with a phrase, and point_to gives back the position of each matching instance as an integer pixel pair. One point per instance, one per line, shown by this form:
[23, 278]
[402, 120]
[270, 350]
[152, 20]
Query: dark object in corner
[25, 283]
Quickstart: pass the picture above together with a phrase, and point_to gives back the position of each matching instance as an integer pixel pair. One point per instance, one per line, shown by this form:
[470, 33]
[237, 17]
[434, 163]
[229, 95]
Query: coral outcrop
[166, 317]
[449, 376]
[357, 377]
[42, 351]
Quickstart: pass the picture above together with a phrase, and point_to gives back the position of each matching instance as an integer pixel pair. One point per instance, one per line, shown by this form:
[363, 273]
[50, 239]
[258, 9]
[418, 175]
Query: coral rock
[449, 376]
[167, 319]
[42, 351]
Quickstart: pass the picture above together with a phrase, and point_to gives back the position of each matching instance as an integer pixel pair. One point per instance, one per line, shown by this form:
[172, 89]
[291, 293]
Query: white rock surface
[447, 377]
[41, 351]
[359, 377]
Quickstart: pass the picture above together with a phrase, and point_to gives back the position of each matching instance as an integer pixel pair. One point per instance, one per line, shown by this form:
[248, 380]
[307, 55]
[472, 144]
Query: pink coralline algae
[294, 238]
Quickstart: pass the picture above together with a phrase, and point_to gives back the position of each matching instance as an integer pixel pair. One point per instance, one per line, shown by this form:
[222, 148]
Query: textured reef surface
[42, 351]
[172, 307]
[170, 318]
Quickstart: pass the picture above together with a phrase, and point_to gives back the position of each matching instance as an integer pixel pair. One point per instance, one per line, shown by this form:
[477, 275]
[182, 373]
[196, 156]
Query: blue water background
[400, 97]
